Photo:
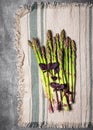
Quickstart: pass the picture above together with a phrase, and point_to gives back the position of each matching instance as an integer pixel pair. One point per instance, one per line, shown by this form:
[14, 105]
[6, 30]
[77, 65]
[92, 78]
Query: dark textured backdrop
[8, 60]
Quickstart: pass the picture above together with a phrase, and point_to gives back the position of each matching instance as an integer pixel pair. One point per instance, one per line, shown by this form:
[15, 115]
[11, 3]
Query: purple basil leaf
[54, 78]
[54, 65]
[49, 66]
[57, 86]
[56, 70]
[43, 66]
[65, 86]
[54, 85]
[61, 86]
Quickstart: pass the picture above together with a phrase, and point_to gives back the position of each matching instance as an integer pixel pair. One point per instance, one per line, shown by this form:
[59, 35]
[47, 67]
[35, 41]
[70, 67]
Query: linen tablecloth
[34, 21]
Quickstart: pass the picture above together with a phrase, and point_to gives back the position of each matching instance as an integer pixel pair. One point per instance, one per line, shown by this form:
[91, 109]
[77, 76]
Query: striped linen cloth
[77, 20]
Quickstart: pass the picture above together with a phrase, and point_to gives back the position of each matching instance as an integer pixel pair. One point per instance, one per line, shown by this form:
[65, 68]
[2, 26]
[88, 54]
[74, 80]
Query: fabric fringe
[56, 4]
[57, 125]
[68, 125]
[23, 10]
[20, 56]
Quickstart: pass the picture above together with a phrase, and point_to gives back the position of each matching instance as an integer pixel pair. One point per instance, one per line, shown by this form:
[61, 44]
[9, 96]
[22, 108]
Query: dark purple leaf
[54, 78]
[61, 86]
[65, 86]
[56, 70]
[54, 65]
[54, 85]
[50, 66]
[57, 86]
[43, 66]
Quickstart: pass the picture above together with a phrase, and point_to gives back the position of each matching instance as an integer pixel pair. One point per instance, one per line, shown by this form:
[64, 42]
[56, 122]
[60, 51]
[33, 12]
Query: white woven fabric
[77, 20]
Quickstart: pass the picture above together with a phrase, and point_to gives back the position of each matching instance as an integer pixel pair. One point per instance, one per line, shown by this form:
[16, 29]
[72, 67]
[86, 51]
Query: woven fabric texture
[77, 20]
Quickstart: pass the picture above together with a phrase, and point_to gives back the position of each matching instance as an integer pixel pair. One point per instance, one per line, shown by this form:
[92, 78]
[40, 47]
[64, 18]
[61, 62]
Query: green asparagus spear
[73, 66]
[62, 80]
[49, 40]
[44, 75]
[66, 59]
[70, 73]
[35, 46]
[49, 50]
[62, 38]
[54, 59]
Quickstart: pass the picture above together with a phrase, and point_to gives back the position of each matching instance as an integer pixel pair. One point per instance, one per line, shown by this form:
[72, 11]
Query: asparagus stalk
[65, 103]
[57, 42]
[35, 46]
[44, 75]
[70, 74]
[61, 72]
[54, 59]
[57, 48]
[62, 38]
[49, 40]
[66, 59]
[49, 50]
[73, 46]
[62, 81]
[57, 51]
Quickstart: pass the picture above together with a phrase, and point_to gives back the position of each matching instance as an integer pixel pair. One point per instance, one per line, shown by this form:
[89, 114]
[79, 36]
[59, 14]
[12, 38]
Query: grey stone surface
[8, 60]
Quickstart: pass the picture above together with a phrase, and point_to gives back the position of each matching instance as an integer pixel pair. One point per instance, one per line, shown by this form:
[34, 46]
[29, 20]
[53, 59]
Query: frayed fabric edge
[23, 10]
[58, 125]
[56, 4]
[20, 62]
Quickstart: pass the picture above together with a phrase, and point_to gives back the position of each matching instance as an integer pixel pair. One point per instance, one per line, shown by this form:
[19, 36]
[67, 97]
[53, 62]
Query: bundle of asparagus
[57, 68]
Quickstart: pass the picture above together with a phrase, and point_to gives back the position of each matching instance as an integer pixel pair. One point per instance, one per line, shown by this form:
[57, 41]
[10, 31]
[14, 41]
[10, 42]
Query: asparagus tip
[63, 34]
[43, 50]
[29, 43]
[49, 34]
[73, 45]
[67, 41]
[57, 35]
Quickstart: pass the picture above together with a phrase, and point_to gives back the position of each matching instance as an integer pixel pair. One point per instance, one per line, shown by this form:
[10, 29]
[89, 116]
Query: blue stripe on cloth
[46, 101]
[80, 68]
[86, 62]
[34, 70]
[90, 63]
[42, 43]
[42, 25]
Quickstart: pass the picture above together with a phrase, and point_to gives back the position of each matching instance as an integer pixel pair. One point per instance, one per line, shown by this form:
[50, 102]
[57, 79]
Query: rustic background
[8, 60]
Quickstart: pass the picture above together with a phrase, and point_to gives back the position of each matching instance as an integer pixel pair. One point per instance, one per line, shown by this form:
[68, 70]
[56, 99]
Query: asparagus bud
[73, 45]
[30, 43]
[63, 34]
[49, 34]
[43, 51]
[50, 40]
[57, 42]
